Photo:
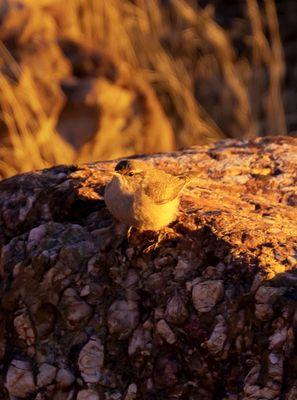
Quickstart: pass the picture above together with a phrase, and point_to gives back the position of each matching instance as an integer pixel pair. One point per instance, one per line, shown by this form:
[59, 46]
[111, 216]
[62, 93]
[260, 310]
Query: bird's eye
[131, 174]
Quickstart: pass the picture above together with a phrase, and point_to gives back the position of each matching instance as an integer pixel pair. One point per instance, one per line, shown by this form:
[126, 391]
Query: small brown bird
[142, 196]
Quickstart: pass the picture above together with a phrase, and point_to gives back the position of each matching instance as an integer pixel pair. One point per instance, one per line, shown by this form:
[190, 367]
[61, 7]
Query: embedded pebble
[46, 374]
[65, 378]
[24, 329]
[90, 361]
[131, 392]
[278, 338]
[263, 312]
[87, 394]
[141, 340]
[20, 379]
[218, 337]
[122, 318]
[176, 311]
[163, 329]
[77, 310]
[207, 294]
[268, 294]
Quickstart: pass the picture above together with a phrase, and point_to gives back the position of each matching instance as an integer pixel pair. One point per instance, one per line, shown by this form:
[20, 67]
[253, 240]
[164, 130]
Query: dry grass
[31, 141]
[207, 90]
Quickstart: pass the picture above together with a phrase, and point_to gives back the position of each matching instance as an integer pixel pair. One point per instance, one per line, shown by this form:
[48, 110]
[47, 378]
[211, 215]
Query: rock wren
[142, 196]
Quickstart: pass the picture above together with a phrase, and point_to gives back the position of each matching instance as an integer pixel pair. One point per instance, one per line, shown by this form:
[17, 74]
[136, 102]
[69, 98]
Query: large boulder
[208, 313]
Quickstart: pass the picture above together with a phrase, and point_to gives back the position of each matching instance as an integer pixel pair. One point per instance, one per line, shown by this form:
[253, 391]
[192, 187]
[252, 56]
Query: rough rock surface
[209, 314]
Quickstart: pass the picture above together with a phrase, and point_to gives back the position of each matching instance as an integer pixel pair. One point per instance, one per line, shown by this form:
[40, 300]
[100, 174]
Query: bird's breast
[119, 201]
[136, 208]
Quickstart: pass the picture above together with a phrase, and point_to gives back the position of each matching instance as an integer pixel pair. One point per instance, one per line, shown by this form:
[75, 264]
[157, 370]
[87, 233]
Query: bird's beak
[116, 173]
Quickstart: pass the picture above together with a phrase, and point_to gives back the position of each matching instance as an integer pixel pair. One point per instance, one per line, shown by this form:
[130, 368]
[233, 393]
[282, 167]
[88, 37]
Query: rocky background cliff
[88, 314]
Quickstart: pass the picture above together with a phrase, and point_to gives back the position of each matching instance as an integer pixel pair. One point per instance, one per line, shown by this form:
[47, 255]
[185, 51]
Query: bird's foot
[165, 234]
[162, 236]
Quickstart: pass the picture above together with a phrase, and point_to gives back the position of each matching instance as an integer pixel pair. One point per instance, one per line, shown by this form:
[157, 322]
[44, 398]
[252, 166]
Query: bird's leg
[129, 232]
[165, 232]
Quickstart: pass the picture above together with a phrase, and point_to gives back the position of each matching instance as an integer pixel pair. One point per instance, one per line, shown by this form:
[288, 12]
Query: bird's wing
[161, 187]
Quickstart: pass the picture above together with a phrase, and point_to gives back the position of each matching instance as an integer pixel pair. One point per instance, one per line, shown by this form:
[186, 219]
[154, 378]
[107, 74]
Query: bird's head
[129, 168]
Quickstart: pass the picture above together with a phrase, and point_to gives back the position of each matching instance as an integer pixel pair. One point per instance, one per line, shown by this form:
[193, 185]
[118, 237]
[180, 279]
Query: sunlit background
[84, 80]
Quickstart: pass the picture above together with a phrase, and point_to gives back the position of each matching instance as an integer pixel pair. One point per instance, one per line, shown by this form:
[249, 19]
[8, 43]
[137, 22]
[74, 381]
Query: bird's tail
[194, 179]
